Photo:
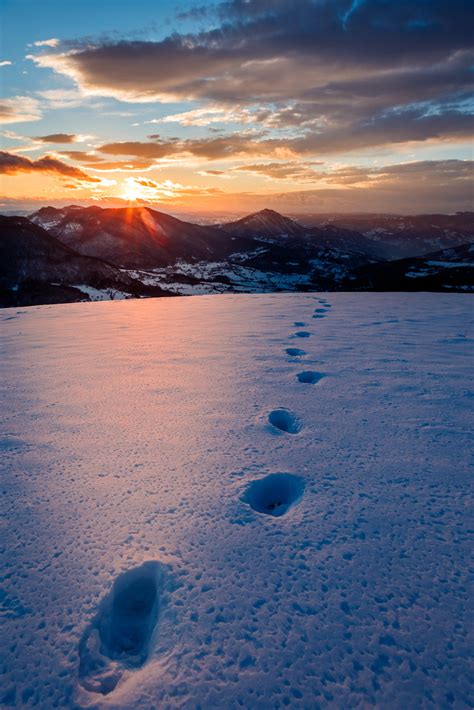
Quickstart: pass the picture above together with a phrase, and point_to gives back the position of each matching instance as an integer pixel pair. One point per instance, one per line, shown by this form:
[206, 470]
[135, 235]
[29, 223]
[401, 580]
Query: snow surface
[191, 523]
[221, 277]
[106, 294]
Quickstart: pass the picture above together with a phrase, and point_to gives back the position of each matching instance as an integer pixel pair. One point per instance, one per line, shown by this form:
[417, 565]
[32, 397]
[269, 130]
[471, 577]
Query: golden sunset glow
[230, 107]
[133, 191]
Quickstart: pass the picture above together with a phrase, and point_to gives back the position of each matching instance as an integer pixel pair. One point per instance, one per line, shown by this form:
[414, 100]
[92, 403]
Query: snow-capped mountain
[263, 252]
[153, 252]
[37, 268]
[397, 237]
[133, 237]
[271, 226]
[445, 270]
[266, 223]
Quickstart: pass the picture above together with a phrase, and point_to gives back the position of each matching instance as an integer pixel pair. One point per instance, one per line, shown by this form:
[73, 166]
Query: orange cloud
[11, 164]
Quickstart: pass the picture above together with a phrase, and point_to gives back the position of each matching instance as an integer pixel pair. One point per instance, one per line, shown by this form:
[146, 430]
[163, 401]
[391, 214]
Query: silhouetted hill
[445, 270]
[37, 268]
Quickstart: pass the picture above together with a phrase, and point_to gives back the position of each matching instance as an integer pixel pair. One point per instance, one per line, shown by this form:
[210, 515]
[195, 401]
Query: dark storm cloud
[11, 164]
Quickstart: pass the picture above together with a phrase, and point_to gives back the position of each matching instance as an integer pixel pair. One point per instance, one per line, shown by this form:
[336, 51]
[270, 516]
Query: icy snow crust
[167, 545]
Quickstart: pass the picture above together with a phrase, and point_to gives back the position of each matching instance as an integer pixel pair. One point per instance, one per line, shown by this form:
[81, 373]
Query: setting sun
[133, 191]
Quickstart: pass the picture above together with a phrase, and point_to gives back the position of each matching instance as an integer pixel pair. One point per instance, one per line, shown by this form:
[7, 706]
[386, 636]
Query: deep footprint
[302, 334]
[319, 315]
[285, 421]
[119, 636]
[295, 352]
[299, 324]
[309, 377]
[275, 494]
[320, 310]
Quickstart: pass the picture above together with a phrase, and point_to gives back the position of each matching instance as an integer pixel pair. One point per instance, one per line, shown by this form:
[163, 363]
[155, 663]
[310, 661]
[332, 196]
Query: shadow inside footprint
[320, 310]
[302, 334]
[309, 377]
[275, 494]
[319, 315]
[299, 324]
[119, 636]
[295, 352]
[285, 421]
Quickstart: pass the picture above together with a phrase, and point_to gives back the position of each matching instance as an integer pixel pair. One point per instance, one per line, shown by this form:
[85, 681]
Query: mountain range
[93, 253]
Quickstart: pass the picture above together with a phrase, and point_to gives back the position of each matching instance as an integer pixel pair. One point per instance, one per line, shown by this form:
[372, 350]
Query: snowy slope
[153, 559]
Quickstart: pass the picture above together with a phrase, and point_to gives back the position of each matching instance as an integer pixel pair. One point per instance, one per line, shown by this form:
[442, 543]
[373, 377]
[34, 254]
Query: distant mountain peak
[266, 222]
[269, 212]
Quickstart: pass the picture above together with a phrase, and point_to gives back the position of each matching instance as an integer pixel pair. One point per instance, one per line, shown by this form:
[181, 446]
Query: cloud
[159, 149]
[403, 188]
[6, 63]
[96, 162]
[81, 156]
[214, 173]
[53, 42]
[384, 129]
[58, 138]
[208, 115]
[422, 186]
[333, 75]
[11, 164]
[149, 191]
[18, 109]
[395, 127]
[61, 98]
[297, 171]
[222, 147]
[268, 51]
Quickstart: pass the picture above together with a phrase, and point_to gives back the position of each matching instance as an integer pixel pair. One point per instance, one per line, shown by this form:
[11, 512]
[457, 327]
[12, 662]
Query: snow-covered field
[198, 517]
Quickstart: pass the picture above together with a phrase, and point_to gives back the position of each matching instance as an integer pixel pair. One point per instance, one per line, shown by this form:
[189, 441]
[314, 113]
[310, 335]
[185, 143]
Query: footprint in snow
[284, 420]
[295, 352]
[275, 494]
[119, 637]
[302, 334]
[299, 324]
[320, 310]
[309, 377]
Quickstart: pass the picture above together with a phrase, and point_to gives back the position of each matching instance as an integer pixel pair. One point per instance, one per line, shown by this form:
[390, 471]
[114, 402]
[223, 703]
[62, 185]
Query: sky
[237, 105]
